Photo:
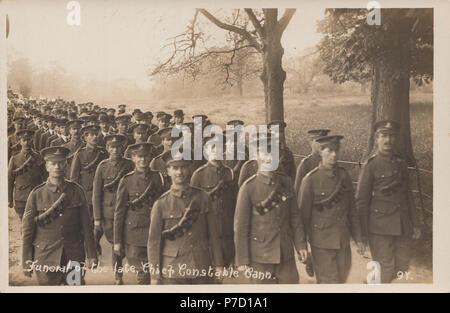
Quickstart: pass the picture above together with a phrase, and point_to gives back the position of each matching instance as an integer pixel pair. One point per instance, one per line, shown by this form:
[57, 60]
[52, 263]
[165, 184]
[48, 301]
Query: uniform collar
[217, 165]
[181, 193]
[330, 172]
[55, 188]
[269, 180]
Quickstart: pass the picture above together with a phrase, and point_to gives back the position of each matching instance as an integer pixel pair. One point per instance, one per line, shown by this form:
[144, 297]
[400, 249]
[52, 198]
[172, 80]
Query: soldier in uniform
[148, 120]
[13, 140]
[287, 163]
[86, 160]
[232, 142]
[50, 132]
[122, 122]
[167, 140]
[390, 218]
[63, 133]
[105, 125]
[218, 182]
[178, 117]
[56, 228]
[106, 180]
[26, 170]
[183, 230]
[268, 225]
[329, 214]
[135, 196]
[140, 135]
[311, 161]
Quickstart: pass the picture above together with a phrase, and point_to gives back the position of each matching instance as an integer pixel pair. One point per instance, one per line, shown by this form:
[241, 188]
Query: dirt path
[357, 275]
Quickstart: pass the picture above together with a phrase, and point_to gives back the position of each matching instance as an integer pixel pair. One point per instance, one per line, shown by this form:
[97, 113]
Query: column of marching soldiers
[78, 172]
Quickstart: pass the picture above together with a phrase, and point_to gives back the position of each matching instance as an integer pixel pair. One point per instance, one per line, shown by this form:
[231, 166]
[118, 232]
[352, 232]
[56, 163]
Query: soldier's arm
[119, 211]
[296, 221]
[301, 172]
[28, 229]
[363, 197]
[355, 222]
[305, 201]
[75, 169]
[195, 180]
[88, 235]
[10, 181]
[154, 238]
[97, 193]
[213, 232]
[242, 226]
[415, 212]
[243, 175]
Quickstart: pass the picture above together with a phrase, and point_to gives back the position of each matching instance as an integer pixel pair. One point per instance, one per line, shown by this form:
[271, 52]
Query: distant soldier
[105, 127]
[239, 157]
[163, 122]
[75, 143]
[122, 122]
[86, 160]
[287, 163]
[329, 214]
[135, 196]
[268, 225]
[148, 120]
[63, 133]
[311, 161]
[167, 140]
[122, 108]
[218, 182]
[140, 135]
[51, 122]
[13, 140]
[106, 180]
[390, 219]
[183, 230]
[178, 117]
[56, 228]
[26, 170]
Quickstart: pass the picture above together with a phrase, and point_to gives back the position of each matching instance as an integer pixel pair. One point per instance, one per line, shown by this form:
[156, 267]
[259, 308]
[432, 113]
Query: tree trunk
[390, 90]
[273, 75]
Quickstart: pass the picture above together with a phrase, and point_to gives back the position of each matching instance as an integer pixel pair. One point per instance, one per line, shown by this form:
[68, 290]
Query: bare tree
[261, 31]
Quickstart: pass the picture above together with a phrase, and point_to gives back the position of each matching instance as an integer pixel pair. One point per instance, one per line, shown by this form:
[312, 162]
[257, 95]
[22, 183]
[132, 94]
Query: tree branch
[255, 22]
[253, 42]
[285, 19]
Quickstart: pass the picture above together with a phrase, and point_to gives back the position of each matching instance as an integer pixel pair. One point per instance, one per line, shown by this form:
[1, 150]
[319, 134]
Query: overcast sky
[120, 39]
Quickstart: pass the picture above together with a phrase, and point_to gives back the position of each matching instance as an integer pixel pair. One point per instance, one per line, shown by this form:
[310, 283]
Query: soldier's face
[74, 132]
[56, 169]
[329, 156]
[178, 119]
[167, 143]
[115, 150]
[140, 137]
[91, 138]
[122, 127]
[141, 161]
[50, 125]
[63, 130]
[180, 174]
[104, 127]
[385, 142]
[25, 142]
[264, 160]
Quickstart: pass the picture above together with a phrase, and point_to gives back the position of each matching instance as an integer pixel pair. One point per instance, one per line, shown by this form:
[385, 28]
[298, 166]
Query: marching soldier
[287, 163]
[75, 143]
[218, 182]
[311, 161]
[122, 108]
[329, 214]
[390, 219]
[167, 140]
[105, 126]
[140, 135]
[135, 196]
[122, 122]
[268, 225]
[106, 180]
[13, 140]
[178, 117]
[50, 132]
[63, 133]
[56, 227]
[25, 171]
[232, 142]
[148, 120]
[183, 230]
[86, 160]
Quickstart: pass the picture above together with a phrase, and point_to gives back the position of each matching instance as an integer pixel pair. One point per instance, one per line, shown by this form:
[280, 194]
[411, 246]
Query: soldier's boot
[118, 268]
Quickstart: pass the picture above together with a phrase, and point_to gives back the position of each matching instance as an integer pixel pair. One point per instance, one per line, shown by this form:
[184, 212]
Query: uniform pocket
[322, 223]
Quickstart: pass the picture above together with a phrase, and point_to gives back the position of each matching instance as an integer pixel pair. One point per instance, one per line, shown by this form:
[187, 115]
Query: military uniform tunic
[84, 165]
[306, 165]
[192, 249]
[69, 234]
[20, 183]
[266, 241]
[249, 169]
[207, 177]
[131, 225]
[388, 212]
[331, 219]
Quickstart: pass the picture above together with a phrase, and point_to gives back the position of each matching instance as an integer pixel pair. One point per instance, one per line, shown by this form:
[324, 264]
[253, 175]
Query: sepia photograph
[169, 143]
